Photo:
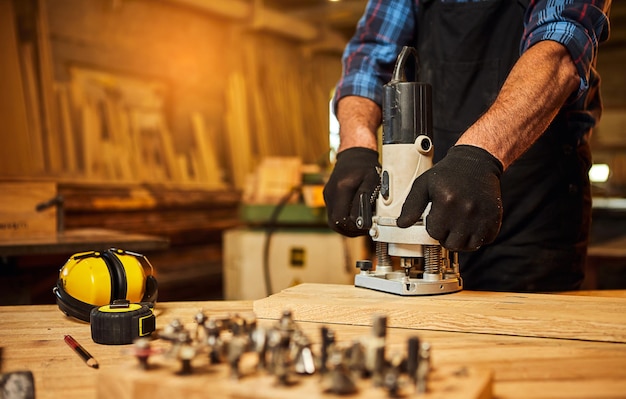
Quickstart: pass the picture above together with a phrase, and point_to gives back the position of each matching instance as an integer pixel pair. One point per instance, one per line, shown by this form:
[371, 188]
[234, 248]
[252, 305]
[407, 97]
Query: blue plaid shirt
[386, 26]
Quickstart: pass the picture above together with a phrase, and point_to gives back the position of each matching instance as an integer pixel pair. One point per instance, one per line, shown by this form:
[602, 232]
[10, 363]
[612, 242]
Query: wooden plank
[80, 240]
[32, 337]
[33, 107]
[572, 389]
[90, 198]
[91, 132]
[275, 178]
[239, 131]
[66, 128]
[108, 170]
[183, 162]
[168, 152]
[208, 166]
[518, 314]
[117, 122]
[596, 293]
[51, 135]
[130, 382]
[19, 217]
[183, 227]
[15, 146]
[523, 367]
[148, 136]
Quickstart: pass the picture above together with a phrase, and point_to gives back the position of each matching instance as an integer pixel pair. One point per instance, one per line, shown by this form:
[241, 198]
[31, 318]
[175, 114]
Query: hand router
[425, 267]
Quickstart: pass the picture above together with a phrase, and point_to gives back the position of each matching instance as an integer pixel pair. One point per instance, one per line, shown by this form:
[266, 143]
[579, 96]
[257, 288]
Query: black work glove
[464, 188]
[356, 171]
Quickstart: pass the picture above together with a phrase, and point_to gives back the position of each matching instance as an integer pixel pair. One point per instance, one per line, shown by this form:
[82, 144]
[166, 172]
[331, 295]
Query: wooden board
[80, 240]
[18, 215]
[51, 137]
[529, 315]
[15, 156]
[215, 382]
[33, 107]
[535, 368]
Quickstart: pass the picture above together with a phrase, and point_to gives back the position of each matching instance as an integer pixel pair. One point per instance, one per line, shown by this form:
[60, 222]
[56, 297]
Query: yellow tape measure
[121, 322]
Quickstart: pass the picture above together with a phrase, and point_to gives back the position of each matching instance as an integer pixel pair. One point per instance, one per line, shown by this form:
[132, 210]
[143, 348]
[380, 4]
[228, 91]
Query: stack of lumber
[125, 134]
[277, 104]
[192, 219]
[183, 215]
[15, 141]
[77, 118]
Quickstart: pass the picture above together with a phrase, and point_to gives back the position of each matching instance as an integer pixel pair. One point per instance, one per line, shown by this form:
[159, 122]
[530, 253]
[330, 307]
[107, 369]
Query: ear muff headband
[119, 283]
[150, 292]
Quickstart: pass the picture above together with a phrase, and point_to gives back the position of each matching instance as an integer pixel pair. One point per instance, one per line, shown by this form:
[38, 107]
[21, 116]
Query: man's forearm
[359, 119]
[536, 88]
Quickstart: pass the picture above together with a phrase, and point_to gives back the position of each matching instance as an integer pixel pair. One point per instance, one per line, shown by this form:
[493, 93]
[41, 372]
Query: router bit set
[285, 352]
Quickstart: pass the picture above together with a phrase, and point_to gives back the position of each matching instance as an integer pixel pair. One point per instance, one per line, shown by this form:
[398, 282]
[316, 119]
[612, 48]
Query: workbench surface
[580, 357]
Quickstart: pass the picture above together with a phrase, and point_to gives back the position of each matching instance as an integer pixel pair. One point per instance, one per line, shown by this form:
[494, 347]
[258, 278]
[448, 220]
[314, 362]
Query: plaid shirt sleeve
[579, 25]
[386, 26]
[370, 55]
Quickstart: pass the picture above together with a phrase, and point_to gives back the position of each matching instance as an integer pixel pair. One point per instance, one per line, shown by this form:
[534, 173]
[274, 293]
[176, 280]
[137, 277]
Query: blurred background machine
[295, 255]
[285, 239]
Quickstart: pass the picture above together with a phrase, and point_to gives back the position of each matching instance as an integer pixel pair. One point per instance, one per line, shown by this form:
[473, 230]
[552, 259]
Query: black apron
[466, 51]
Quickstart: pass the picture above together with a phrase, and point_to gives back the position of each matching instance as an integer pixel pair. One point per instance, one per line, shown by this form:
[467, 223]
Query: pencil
[86, 356]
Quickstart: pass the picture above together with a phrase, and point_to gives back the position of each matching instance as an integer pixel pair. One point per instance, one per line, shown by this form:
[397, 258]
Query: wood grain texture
[530, 315]
[214, 382]
[80, 240]
[14, 132]
[523, 367]
[32, 339]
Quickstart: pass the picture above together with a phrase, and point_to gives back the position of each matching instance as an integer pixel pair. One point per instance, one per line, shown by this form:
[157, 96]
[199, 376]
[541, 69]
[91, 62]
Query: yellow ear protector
[92, 279]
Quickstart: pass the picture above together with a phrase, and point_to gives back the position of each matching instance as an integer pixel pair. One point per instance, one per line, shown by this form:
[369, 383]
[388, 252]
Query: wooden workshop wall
[136, 73]
[149, 115]
[14, 137]
[154, 91]
[277, 98]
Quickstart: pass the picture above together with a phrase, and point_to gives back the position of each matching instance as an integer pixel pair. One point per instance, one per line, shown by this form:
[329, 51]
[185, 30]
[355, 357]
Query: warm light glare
[599, 173]
[333, 129]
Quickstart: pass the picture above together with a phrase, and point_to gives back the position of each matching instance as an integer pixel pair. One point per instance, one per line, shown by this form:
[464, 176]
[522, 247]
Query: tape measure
[121, 322]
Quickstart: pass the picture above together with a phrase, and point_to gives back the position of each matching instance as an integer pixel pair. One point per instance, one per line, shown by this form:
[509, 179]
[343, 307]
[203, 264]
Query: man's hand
[356, 172]
[464, 188]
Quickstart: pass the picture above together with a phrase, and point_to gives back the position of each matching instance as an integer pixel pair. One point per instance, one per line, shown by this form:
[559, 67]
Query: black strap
[119, 282]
